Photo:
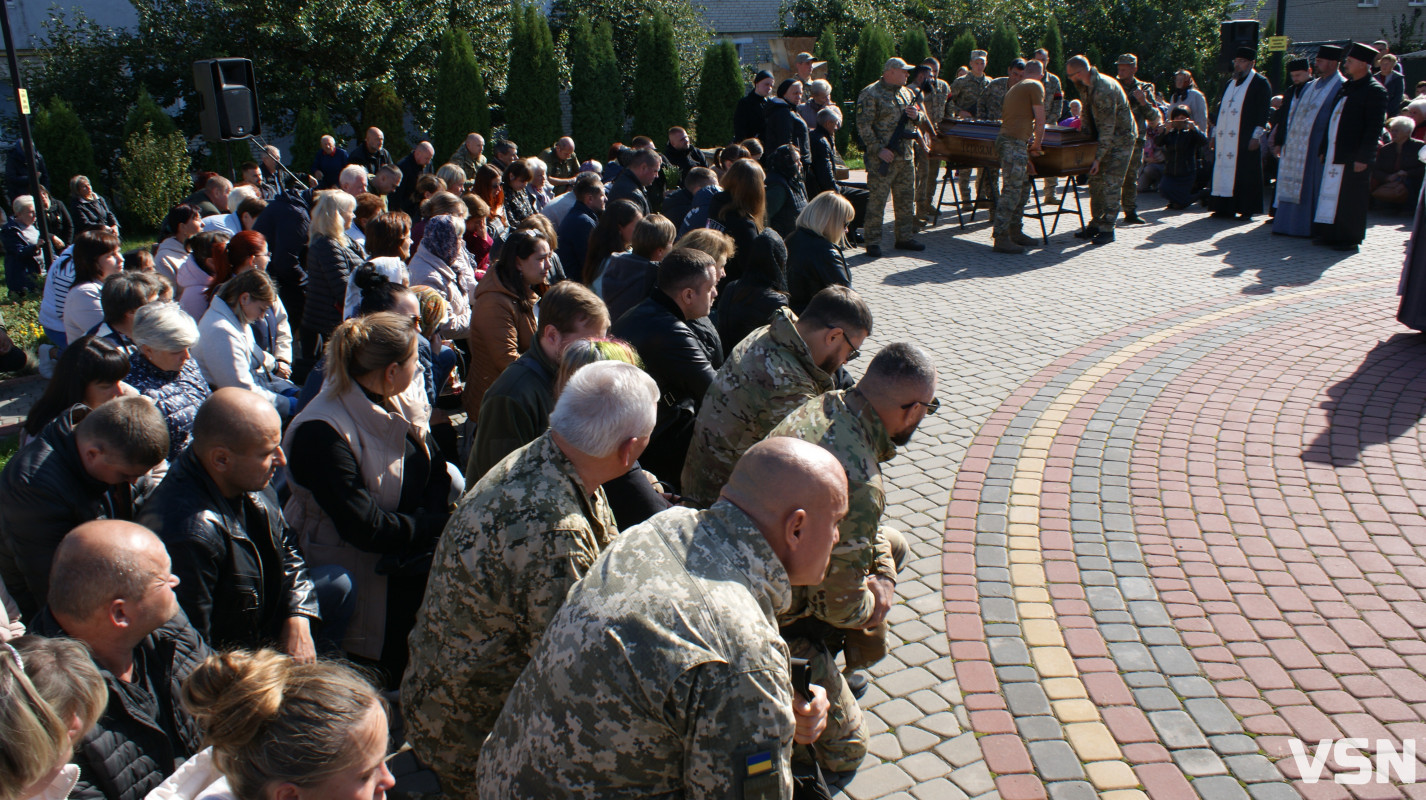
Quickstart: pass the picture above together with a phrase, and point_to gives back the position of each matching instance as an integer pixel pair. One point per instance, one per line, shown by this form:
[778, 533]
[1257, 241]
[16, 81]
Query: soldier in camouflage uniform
[935, 94]
[773, 371]
[992, 106]
[963, 104]
[1142, 101]
[880, 109]
[1107, 118]
[528, 530]
[1022, 131]
[663, 675]
[862, 427]
[1054, 108]
[470, 162]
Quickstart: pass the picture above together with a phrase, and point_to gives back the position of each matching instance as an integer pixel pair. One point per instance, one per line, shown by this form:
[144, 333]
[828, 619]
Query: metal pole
[22, 104]
[1281, 27]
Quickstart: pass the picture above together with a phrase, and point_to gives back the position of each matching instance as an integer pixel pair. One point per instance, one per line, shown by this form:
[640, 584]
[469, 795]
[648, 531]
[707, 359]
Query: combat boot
[909, 244]
[1087, 232]
[1006, 244]
[1018, 236]
[873, 251]
[1133, 218]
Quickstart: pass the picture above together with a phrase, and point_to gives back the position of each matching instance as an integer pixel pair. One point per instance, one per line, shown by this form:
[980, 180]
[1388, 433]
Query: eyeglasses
[856, 351]
[931, 407]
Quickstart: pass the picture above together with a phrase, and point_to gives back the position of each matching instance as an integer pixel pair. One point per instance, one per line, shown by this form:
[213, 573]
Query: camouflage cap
[1128, 58]
[980, 54]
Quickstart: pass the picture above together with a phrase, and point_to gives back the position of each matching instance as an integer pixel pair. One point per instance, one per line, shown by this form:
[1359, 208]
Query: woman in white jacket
[228, 353]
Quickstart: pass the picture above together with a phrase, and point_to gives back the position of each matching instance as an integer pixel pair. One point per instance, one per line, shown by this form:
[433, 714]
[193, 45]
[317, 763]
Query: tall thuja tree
[913, 47]
[658, 102]
[462, 106]
[145, 113]
[1004, 48]
[1054, 42]
[384, 110]
[959, 55]
[826, 50]
[546, 89]
[61, 138]
[595, 95]
[520, 113]
[308, 128]
[873, 49]
[720, 86]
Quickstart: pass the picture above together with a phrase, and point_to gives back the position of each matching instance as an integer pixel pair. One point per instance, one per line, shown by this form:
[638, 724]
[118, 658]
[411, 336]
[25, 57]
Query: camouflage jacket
[992, 102]
[1140, 111]
[767, 375]
[965, 94]
[1054, 99]
[1106, 114]
[462, 157]
[937, 101]
[845, 424]
[518, 541]
[879, 108]
[663, 675]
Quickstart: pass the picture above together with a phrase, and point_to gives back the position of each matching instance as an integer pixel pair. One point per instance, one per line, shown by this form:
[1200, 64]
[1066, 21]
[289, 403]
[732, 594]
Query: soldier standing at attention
[1107, 118]
[965, 98]
[936, 93]
[769, 374]
[880, 108]
[1054, 104]
[846, 612]
[992, 108]
[1021, 135]
[1142, 100]
[527, 531]
[663, 674]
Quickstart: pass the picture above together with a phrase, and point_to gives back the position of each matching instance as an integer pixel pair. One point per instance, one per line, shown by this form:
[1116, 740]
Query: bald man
[245, 583]
[420, 161]
[112, 587]
[562, 164]
[369, 153]
[681, 608]
[328, 163]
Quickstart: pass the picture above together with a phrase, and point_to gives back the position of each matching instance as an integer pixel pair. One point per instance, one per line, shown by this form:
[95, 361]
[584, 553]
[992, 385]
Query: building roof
[729, 17]
[28, 17]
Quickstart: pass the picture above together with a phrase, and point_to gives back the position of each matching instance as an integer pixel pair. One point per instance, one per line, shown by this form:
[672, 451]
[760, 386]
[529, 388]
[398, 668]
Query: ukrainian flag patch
[758, 763]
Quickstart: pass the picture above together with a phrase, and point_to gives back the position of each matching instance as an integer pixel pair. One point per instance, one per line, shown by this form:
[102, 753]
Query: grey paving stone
[1177, 729]
[1149, 613]
[1119, 632]
[1233, 744]
[1034, 729]
[1175, 660]
[1054, 760]
[1026, 699]
[943, 725]
[1131, 656]
[1006, 651]
[1272, 791]
[1220, 788]
[939, 789]
[1213, 716]
[961, 750]
[1016, 674]
[1199, 762]
[1139, 680]
[907, 681]
[877, 782]
[898, 712]
[974, 779]
[1192, 686]
[1072, 790]
[1252, 768]
[1156, 699]
[1156, 637]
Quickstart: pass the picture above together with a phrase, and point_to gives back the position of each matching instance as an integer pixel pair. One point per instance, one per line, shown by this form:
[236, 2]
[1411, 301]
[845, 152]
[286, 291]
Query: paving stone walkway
[1168, 520]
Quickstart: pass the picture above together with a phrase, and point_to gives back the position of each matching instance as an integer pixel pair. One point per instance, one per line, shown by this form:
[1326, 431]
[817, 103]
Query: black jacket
[237, 582]
[752, 299]
[368, 160]
[143, 736]
[626, 187]
[573, 235]
[514, 412]
[740, 228]
[91, 214]
[406, 191]
[1361, 123]
[284, 224]
[627, 279]
[684, 160]
[44, 493]
[17, 171]
[20, 255]
[786, 198]
[678, 359]
[749, 117]
[822, 177]
[200, 201]
[785, 126]
[329, 263]
[61, 224]
[676, 206]
[813, 264]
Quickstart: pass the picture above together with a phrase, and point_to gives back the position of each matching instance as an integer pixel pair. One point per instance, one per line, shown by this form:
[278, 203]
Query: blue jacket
[573, 234]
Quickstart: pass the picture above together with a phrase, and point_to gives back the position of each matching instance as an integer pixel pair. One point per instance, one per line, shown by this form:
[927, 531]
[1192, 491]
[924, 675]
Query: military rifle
[901, 133]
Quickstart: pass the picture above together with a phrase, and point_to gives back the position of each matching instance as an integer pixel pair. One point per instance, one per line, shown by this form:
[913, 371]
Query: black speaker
[227, 92]
[1235, 34]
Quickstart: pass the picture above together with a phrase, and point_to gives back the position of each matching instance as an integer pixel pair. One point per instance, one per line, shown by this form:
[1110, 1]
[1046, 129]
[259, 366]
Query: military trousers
[843, 744]
[899, 183]
[1129, 196]
[1014, 156]
[1107, 186]
[926, 170]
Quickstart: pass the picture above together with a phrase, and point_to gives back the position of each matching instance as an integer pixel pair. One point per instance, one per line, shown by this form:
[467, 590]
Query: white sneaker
[46, 358]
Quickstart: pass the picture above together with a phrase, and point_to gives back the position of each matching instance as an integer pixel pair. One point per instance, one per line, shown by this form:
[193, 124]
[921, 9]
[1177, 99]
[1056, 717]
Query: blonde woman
[814, 250]
[51, 694]
[332, 257]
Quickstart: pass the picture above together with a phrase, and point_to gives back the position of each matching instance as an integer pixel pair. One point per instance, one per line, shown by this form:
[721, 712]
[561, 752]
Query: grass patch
[9, 445]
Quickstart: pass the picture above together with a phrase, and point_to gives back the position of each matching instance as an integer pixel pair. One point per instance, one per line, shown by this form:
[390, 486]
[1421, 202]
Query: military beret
[1363, 52]
[1128, 58]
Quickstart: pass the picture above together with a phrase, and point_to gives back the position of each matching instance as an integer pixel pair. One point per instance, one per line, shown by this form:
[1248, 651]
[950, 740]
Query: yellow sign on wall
[1277, 44]
[24, 102]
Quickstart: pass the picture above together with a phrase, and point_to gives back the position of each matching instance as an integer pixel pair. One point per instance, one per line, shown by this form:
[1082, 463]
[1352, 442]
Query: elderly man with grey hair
[24, 257]
[819, 97]
[521, 538]
[352, 179]
[161, 370]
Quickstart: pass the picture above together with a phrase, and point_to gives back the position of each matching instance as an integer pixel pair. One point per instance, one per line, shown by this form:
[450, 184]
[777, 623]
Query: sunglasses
[856, 351]
[931, 407]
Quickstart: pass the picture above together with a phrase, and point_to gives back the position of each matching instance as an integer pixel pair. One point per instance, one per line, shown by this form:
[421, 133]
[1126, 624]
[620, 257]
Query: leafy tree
[873, 49]
[1054, 42]
[520, 82]
[146, 112]
[595, 96]
[1004, 48]
[153, 175]
[720, 86]
[532, 108]
[659, 103]
[462, 106]
[383, 109]
[826, 50]
[62, 139]
[310, 126]
[913, 47]
[959, 54]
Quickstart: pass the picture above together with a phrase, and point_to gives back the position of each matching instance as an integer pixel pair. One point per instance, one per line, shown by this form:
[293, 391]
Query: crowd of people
[247, 536]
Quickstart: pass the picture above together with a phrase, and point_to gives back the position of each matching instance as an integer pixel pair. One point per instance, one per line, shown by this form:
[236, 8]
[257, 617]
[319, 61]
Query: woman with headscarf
[786, 192]
[748, 115]
[437, 264]
[785, 126]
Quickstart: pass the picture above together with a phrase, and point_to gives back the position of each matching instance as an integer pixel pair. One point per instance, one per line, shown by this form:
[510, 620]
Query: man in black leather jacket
[244, 581]
[81, 467]
[112, 588]
[681, 360]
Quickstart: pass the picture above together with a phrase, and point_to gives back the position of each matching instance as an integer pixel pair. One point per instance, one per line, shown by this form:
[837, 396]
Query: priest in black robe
[1243, 109]
[1348, 152]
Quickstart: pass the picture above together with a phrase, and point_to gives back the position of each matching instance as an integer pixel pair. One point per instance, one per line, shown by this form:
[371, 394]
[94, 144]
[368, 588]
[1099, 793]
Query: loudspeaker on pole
[227, 91]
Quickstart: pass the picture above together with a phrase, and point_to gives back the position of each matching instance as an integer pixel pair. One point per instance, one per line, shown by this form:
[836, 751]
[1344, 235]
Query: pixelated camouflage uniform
[926, 168]
[663, 675]
[1106, 117]
[462, 158]
[1054, 105]
[965, 97]
[845, 424]
[1129, 194]
[879, 108]
[992, 107]
[520, 538]
[767, 375]
[1014, 156]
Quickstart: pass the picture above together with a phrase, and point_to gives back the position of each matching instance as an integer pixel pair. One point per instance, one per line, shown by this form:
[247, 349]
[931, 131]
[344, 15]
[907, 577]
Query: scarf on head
[440, 239]
[433, 309]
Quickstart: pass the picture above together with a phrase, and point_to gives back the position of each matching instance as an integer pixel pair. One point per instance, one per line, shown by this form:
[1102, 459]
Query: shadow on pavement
[962, 259]
[1383, 399]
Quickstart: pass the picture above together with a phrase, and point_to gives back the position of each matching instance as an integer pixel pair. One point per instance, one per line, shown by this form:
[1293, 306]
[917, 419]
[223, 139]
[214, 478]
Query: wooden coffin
[972, 144]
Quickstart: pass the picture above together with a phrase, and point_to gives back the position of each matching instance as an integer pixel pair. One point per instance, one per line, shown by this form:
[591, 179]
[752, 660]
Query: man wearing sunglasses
[862, 427]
